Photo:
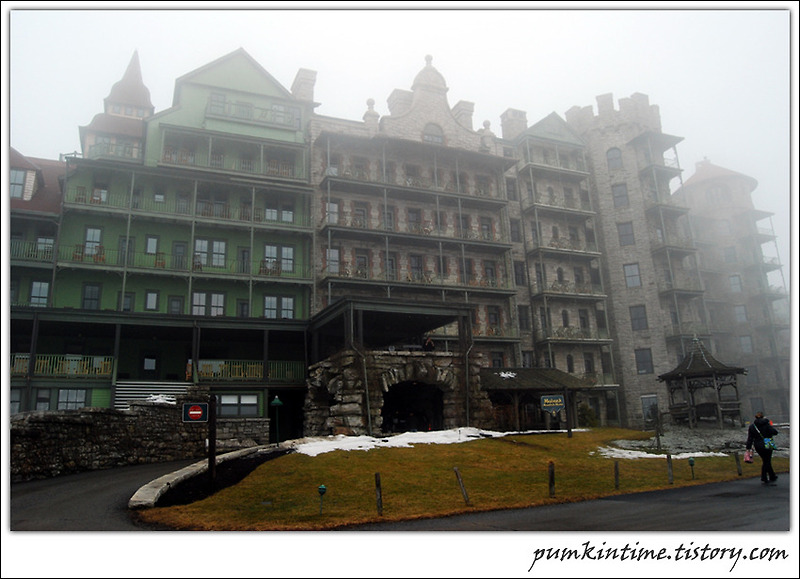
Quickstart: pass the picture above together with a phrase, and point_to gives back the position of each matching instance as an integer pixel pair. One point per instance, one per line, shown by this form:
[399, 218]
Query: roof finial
[428, 59]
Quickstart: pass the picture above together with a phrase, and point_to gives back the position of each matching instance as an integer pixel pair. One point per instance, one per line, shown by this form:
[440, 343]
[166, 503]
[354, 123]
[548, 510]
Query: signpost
[200, 412]
[555, 403]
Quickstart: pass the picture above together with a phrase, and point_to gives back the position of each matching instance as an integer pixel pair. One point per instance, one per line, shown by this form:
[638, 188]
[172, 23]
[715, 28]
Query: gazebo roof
[699, 363]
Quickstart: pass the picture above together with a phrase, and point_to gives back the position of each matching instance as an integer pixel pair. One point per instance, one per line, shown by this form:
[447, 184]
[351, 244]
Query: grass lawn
[497, 473]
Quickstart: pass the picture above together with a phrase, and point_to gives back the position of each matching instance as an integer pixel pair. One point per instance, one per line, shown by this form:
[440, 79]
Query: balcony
[282, 168]
[426, 279]
[277, 115]
[63, 366]
[31, 251]
[86, 255]
[283, 372]
[182, 208]
[117, 151]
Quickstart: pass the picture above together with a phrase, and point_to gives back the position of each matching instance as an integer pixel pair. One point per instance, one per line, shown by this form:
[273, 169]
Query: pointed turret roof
[706, 171]
[699, 363]
[130, 90]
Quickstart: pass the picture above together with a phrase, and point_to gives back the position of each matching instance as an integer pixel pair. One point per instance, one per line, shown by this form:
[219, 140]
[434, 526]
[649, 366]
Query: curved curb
[147, 495]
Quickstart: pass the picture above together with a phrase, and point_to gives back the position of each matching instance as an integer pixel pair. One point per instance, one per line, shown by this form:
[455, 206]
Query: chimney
[513, 123]
[303, 85]
[462, 111]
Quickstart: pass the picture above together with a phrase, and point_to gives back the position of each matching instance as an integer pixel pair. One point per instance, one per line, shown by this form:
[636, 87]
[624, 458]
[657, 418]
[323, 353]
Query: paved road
[87, 501]
[740, 505]
[97, 501]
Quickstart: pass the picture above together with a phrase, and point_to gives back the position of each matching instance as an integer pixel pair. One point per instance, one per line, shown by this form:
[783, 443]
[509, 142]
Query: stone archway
[346, 392]
[412, 406]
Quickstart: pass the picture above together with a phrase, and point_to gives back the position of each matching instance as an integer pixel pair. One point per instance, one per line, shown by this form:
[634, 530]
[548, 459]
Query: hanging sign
[553, 403]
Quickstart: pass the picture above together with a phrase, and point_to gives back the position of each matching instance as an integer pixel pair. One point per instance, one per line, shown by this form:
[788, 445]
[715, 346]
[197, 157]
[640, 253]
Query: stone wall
[337, 402]
[52, 443]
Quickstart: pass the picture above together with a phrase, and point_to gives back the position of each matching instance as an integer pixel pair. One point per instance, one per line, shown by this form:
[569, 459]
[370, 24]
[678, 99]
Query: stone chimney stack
[462, 111]
[513, 122]
[303, 85]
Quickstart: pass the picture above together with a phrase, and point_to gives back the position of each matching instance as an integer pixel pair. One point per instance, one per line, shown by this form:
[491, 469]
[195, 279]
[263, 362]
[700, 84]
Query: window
[729, 254]
[388, 218]
[332, 212]
[92, 241]
[746, 344]
[91, 296]
[360, 214]
[391, 266]
[638, 318]
[632, 278]
[588, 363]
[614, 159]
[511, 189]
[208, 304]
[127, 302]
[39, 293]
[644, 361]
[516, 230]
[415, 220]
[415, 267]
[524, 313]
[151, 300]
[493, 318]
[752, 375]
[279, 307]
[583, 319]
[490, 273]
[486, 228]
[498, 360]
[151, 245]
[43, 399]
[527, 359]
[332, 258]
[17, 183]
[570, 364]
[217, 104]
[465, 270]
[625, 232]
[735, 282]
[175, 305]
[740, 313]
[237, 405]
[210, 252]
[519, 273]
[71, 398]
[433, 134]
[620, 195]
[15, 401]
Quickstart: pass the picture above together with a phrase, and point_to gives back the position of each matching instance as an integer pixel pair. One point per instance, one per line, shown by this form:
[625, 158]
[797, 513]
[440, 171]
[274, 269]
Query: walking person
[760, 429]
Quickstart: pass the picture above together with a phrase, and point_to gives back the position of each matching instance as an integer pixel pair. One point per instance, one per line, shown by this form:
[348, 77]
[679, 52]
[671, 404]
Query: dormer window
[433, 134]
[17, 183]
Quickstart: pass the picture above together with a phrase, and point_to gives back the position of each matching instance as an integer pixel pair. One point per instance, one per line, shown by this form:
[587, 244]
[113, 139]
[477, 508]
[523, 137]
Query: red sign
[195, 412]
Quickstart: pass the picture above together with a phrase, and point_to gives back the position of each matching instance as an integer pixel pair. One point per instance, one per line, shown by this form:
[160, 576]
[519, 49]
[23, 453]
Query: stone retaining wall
[52, 443]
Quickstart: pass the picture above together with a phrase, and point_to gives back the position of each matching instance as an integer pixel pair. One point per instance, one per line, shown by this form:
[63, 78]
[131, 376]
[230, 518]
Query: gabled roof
[553, 128]
[540, 379]
[699, 363]
[706, 171]
[233, 81]
[47, 197]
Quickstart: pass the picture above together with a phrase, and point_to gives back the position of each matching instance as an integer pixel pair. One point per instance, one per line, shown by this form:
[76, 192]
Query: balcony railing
[116, 150]
[219, 162]
[249, 370]
[99, 256]
[182, 207]
[424, 278]
[63, 366]
[31, 250]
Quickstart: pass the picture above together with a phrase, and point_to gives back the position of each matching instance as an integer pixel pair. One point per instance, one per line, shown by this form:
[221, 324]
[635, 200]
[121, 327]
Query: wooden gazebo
[703, 387]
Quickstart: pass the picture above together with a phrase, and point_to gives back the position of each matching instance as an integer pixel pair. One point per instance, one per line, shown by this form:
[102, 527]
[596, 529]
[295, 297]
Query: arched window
[614, 158]
[433, 134]
[565, 318]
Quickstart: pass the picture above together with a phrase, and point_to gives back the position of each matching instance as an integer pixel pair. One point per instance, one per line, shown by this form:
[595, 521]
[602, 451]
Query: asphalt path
[97, 501]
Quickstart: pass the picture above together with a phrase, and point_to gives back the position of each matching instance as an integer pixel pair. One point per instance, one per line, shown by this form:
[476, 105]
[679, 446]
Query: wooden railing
[63, 366]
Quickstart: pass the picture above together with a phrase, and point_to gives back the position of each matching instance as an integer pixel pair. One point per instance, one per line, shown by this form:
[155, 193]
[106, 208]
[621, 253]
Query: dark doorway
[411, 407]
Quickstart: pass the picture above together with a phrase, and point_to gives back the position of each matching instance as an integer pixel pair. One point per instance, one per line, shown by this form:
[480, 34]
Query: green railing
[63, 366]
[250, 370]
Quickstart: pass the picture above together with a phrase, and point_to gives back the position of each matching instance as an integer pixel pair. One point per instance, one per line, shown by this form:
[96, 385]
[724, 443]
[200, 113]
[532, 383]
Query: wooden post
[378, 494]
[551, 477]
[212, 440]
[461, 484]
[669, 468]
[616, 475]
[738, 464]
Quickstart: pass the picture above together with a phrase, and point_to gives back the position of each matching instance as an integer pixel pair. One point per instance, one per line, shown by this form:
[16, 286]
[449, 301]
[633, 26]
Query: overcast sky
[721, 77]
